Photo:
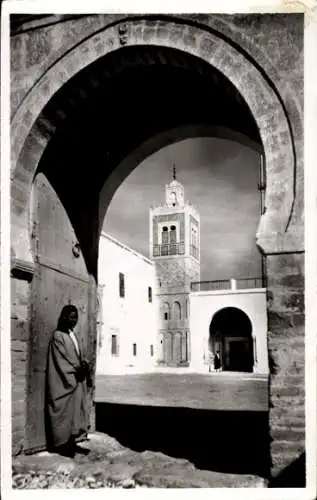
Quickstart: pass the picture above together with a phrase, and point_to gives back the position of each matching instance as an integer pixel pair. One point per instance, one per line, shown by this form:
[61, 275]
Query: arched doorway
[230, 334]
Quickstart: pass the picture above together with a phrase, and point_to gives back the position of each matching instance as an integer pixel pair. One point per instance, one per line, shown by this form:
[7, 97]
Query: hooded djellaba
[68, 376]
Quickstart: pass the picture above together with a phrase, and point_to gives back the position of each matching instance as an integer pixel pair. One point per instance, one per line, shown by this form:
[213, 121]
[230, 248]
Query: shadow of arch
[293, 476]
[177, 310]
[230, 335]
[166, 311]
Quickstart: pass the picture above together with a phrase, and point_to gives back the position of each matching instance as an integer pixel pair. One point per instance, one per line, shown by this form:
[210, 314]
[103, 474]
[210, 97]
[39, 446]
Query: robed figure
[66, 389]
[217, 362]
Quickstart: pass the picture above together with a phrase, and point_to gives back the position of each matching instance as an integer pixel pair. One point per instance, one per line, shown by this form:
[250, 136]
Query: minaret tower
[175, 250]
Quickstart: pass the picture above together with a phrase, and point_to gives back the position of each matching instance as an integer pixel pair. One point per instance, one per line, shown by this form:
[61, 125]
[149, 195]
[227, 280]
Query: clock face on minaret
[174, 194]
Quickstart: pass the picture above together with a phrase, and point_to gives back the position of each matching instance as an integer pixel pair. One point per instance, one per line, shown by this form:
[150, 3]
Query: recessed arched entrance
[230, 334]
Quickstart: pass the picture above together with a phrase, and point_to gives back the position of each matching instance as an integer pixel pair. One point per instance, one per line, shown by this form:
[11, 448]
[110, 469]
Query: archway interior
[230, 334]
[113, 106]
[95, 121]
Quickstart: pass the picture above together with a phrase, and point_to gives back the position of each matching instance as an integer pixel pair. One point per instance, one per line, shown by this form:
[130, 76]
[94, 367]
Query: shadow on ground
[222, 441]
[293, 476]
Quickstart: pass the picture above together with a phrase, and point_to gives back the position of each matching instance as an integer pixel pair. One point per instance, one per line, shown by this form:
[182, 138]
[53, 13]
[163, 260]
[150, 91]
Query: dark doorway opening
[230, 334]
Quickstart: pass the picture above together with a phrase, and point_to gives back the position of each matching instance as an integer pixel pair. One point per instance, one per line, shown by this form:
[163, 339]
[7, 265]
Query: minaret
[175, 250]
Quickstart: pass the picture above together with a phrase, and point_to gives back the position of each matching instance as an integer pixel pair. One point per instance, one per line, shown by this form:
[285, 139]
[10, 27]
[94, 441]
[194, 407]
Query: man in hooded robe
[67, 377]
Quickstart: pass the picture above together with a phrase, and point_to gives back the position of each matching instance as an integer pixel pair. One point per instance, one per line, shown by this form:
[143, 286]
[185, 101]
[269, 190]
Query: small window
[165, 235]
[121, 285]
[152, 349]
[134, 349]
[114, 345]
[173, 234]
[150, 293]
[166, 311]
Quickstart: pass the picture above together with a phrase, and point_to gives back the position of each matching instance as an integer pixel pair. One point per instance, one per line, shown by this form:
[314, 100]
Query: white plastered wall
[132, 317]
[203, 306]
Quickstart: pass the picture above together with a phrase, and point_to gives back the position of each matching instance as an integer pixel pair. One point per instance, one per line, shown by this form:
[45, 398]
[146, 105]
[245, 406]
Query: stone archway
[34, 130]
[230, 334]
[31, 131]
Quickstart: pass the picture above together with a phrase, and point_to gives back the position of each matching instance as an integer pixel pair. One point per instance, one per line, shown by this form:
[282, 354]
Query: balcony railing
[239, 284]
[168, 249]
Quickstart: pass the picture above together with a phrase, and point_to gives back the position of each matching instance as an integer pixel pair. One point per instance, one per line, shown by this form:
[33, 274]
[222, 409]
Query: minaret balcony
[166, 250]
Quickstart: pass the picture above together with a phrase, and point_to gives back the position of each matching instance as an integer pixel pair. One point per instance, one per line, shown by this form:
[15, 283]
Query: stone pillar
[286, 346]
[20, 337]
[255, 354]
[92, 348]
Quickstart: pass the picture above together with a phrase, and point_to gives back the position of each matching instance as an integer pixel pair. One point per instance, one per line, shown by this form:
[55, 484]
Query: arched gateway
[88, 101]
[230, 334]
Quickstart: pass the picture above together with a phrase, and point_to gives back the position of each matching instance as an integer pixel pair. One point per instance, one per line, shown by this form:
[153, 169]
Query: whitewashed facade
[141, 330]
[203, 308]
[127, 333]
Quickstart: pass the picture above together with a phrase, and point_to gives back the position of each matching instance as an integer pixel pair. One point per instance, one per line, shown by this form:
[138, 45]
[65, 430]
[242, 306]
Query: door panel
[239, 356]
[55, 235]
[60, 278]
[53, 291]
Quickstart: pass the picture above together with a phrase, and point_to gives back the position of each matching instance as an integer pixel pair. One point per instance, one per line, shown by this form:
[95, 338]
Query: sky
[220, 178]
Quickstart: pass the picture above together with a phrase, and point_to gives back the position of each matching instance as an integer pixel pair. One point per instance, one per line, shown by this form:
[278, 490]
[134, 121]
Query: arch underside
[88, 114]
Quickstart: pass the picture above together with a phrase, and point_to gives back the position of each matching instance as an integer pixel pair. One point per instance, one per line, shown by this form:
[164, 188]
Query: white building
[157, 314]
[127, 334]
[232, 322]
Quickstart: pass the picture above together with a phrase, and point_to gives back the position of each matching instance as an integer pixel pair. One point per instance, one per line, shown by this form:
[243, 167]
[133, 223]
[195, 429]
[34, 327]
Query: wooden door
[239, 356]
[60, 278]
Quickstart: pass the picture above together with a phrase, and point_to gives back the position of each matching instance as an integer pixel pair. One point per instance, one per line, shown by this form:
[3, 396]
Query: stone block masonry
[286, 343]
[20, 290]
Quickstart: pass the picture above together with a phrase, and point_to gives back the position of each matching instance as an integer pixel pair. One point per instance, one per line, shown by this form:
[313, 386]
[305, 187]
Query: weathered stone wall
[286, 343]
[274, 41]
[176, 274]
[20, 335]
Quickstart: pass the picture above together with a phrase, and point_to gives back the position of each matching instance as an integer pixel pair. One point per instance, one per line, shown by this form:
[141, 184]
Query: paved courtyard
[215, 391]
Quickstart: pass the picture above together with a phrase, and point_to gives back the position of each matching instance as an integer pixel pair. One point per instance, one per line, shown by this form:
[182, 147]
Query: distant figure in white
[217, 362]
[211, 361]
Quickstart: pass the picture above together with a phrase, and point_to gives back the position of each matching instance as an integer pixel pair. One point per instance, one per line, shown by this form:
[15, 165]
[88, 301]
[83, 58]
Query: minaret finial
[174, 172]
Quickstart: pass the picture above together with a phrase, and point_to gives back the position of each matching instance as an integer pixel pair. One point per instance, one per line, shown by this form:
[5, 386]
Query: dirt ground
[217, 391]
[111, 464]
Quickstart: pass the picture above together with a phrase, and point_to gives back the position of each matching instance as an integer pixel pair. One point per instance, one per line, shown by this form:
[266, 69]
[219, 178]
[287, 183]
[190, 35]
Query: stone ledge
[111, 465]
